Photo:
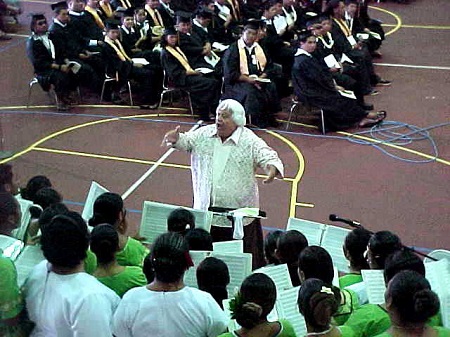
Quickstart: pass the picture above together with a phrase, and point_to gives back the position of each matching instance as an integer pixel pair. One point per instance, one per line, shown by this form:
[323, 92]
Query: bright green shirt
[286, 330]
[349, 304]
[369, 320]
[349, 279]
[441, 332]
[90, 262]
[133, 254]
[131, 277]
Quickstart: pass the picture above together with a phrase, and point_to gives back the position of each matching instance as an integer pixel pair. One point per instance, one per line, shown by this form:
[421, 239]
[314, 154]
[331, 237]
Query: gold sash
[179, 55]
[261, 60]
[343, 25]
[235, 9]
[117, 46]
[154, 13]
[106, 7]
[97, 18]
[125, 3]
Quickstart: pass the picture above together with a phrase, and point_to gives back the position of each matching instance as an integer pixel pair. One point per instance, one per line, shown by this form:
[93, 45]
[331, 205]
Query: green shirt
[349, 279]
[286, 330]
[90, 262]
[133, 254]
[369, 320]
[349, 304]
[131, 277]
[441, 332]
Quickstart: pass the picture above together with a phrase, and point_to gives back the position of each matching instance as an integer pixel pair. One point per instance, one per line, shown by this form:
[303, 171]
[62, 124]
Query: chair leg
[322, 119]
[190, 103]
[30, 86]
[290, 115]
[131, 94]
[161, 100]
[103, 91]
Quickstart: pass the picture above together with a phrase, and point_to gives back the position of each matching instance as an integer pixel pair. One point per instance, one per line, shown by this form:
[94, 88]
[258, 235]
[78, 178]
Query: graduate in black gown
[204, 90]
[315, 86]
[247, 70]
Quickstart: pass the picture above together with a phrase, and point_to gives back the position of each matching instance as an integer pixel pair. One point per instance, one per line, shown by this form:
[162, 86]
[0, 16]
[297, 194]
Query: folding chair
[299, 107]
[50, 92]
[115, 78]
[169, 88]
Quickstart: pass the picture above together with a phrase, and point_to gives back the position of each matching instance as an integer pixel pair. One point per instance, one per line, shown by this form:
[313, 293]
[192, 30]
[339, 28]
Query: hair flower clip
[326, 290]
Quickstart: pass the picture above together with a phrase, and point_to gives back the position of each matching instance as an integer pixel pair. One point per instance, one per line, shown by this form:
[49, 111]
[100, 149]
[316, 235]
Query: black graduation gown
[315, 86]
[192, 47]
[129, 39]
[260, 104]
[85, 25]
[168, 19]
[204, 90]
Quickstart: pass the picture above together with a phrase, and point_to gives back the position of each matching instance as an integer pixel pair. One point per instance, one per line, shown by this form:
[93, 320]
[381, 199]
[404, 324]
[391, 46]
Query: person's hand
[138, 65]
[192, 72]
[334, 70]
[171, 137]
[65, 68]
[339, 88]
[271, 175]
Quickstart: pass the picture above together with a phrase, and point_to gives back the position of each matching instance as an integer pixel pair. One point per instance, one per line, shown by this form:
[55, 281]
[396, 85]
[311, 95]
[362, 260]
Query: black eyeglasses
[41, 23]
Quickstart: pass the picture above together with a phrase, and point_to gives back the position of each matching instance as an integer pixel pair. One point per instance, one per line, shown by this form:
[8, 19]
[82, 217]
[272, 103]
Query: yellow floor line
[419, 26]
[305, 204]
[397, 26]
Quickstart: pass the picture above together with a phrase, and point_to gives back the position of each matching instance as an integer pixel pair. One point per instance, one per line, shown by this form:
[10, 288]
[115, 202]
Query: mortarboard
[170, 31]
[204, 12]
[59, 5]
[112, 24]
[183, 16]
[128, 12]
[254, 24]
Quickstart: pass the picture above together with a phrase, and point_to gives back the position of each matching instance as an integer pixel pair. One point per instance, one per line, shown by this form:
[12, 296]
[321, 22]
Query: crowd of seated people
[99, 281]
[249, 51]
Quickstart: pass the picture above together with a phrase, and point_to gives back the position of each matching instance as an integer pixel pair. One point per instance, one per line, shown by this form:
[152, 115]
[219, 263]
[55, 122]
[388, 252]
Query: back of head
[316, 262]
[400, 260]
[9, 213]
[270, 245]
[290, 245]
[213, 277]
[65, 240]
[47, 214]
[381, 245]
[47, 196]
[180, 220]
[34, 185]
[410, 295]
[199, 239]
[318, 302]
[255, 300]
[355, 245]
[107, 208]
[104, 243]
[170, 257]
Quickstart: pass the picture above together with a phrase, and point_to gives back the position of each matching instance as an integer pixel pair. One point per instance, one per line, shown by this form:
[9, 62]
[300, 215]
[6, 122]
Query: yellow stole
[261, 60]
[343, 25]
[117, 46]
[106, 9]
[157, 19]
[125, 3]
[97, 18]
[235, 9]
[179, 55]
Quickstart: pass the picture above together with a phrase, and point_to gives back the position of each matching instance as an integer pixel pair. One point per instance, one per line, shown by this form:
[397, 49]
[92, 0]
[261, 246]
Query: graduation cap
[128, 12]
[37, 16]
[313, 21]
[170, 31]
[254, 24]
[183, 16]
[112, 24]
[59, 5]
[204, 12]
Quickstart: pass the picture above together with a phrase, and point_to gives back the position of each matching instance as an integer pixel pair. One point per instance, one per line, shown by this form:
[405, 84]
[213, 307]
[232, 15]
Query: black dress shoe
[367, 107]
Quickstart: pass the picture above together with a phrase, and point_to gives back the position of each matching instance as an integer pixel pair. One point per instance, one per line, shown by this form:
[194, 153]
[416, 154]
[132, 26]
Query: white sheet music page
[239, 267]
[233, 246]
[438, 274]
[30, 257]
[279, 274]
[190, 276]
[20, 232]
[333, 240]
[287, 308]
[94, 192]
[311, 230]
[375, 286]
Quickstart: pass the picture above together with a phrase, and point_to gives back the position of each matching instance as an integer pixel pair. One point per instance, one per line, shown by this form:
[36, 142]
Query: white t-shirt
[188, 312]
[68, 305]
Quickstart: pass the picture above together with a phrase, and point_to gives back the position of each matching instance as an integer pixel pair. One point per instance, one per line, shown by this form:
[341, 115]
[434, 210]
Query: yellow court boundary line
[418, 26]
[397, 18]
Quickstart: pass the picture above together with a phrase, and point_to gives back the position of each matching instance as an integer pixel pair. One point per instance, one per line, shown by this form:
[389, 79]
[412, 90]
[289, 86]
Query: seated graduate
[109, 208]
[213, 277]
[288, 247]
[246, 68]
[104, 244]
[61, 299]
[41, 53]
[167, 13]
[315, 86]
[219, 27]
[155, 22]
[251, 306]
[355, 246]
[410, 303]
[149, 79]
[204, 90]
[166, 307]
[318, 302]
[92, 9]
[316, 262]
[180, 221]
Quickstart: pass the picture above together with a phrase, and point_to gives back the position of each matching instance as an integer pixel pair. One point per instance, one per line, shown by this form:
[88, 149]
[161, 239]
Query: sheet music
[14, 249]
[239, 267]
[154, 219]
[94, 192]
[335, 281]
[233, 246]
[445, 310]
[375, 286]
[438, 274]
[190, 276]
[287, 308]
[332, 240]
[6, 241]
[30, 257]
[311, 230]
[20, 233]
[345, 58]
[279, 274]
[347, 93]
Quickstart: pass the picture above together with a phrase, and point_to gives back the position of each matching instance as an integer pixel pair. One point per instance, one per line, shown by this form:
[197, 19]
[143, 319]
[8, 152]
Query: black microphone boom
[353, 223]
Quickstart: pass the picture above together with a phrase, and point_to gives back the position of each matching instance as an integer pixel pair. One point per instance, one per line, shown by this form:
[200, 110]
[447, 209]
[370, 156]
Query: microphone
[353, 223]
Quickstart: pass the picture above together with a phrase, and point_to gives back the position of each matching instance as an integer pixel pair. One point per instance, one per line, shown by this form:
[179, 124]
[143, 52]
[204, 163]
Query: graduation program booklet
[331, 61]
[140, 60]
[347, 93]
[74, 66]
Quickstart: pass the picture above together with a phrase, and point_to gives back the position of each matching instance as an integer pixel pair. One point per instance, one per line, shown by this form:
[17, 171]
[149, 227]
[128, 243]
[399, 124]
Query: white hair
[235, 108]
